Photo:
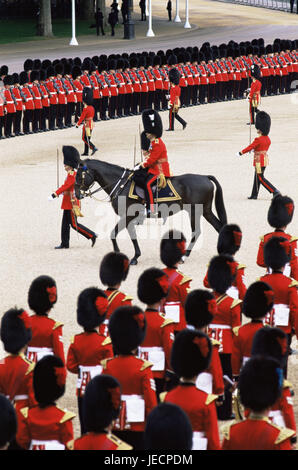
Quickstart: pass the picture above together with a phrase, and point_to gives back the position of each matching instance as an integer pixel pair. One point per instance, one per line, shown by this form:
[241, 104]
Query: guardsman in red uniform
[28, 102]
[183, 81]
[47, 334]
[101, 407]
[46, 426]
[2, 115]
[191, 356]
[61, 95]
[105, 90]
[70, 205]
[87, 119]
[79, 87]
[273, 342]
[128, 98]
[221, 274]
[196, 78]
[228, 243]
[157, 159]
[174, 101]
[280, 214]
[9, 106]
[53, 95]
[260, 145]
[200, 308]
[172, 251]
[120, 81]
[45, 101]
[254, 96]
[153, 288]
[89, 348]
[70, 94]
[203, 88]
[16, 371]
[158, 82]
[212, 81]
[35, 87]
[258, 302]
[260, 385]
[8, 420]
[113, 270]
[15, 90]
[151, 82]
[284, 314]
[127, 328]
[168, 428]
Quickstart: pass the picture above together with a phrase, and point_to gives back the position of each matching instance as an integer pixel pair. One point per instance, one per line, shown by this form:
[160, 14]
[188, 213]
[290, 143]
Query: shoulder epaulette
[262, 238]
[167, 321]
[156, 141]
[106, 341]
[30, 368]
[226, 430]
[293, 239]
[146, 364]
[210, 398]
[241, 266]
[236, 330]
[25, 412]
[287, 384]
[162, 396]
[70, 445]
[67, 416]
[236, 302]
[127, 297]
[121, 445]
[71, 172]
[293, 283]
[214, 342]
[185, 279]
[72, 340]
[104, 362]
[285, 433]
[57, 324]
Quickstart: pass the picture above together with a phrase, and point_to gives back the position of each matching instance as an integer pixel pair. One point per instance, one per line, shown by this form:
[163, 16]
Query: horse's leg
[195, 222]
[131, 228]
[211, 218]
[118, 227]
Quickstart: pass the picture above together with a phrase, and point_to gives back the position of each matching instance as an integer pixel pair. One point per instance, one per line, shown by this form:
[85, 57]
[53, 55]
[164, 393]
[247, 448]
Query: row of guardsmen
[48, 95]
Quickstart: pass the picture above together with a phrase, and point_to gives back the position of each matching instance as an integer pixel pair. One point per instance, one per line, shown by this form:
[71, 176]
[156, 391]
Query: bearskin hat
[191, 353]
[4, 70]
[8, 421]
[168, 428]
[92, 67]
[86, 64]
[269, 49]
[87, 96]
[200, 307]
[271, 342]
[42, 294]
[174, 76]
[134, 62]
[221, 273]
[49, 377]
[229, 239]
[142, 61]
[71, 156]
[120, 64]
[277, 252]
[28, 65]
[95, 60]
[153, 286]
[15, 78]
[113, 269]
[276, 47]
[8, 80]
[34, 75]
[255, 71]
[281, 211]
[152, 122]
[172, 248]
[258, 300]
[127, 329]
[50, 72]
[24, 78]
[260, 383]
[76, 72]
[77, 61]
[45, 64]
[145, 142]
[67, 68]
[172, 60]
[59, 69]
[156, 60]
[101, 403]
[15, 330]
[42, 75]
[263, 122]
[36, 64]
[194, 57]
[92, 307]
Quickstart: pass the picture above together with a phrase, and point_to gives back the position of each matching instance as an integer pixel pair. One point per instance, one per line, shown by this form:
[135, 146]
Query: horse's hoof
[133, 261]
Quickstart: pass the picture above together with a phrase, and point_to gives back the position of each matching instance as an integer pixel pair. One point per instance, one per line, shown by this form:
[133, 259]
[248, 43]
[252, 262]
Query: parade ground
[30, 227]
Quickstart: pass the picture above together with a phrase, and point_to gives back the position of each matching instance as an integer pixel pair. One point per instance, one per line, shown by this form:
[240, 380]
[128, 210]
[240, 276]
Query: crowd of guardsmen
[47, 95]
[162, 376]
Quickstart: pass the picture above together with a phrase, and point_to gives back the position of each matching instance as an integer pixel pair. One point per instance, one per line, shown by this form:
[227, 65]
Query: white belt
[113, 85]
[21, 397]
[53, 93]
[9, 102]
[199, 441]
[37, 350]
[94, 370]
[35, 354]
[49, 445]
[18, 99]
[37, 98]
[220, 327]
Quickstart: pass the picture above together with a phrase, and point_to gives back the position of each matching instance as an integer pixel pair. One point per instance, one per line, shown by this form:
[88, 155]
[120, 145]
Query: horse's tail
[219, 202]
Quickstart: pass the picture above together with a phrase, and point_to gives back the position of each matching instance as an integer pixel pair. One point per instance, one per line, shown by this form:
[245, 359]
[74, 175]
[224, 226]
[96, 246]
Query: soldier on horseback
[156, 162]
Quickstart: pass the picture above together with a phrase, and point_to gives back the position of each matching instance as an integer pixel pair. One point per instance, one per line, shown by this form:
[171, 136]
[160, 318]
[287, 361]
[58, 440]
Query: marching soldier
[9, 106]
[61, 92]
[16, 92]
[87, 119]
[53, 95]
[37, 100]
[105, 90]
[45, 101]
[174, 101]
[79, 87]
[71, 96]
[260, 145]
[28, 102]
[70, 205]
[254, 96]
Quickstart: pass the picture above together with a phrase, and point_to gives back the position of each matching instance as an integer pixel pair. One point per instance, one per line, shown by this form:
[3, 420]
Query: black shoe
[169, 129]
[84, 155]
[93, 240]
[184, 125]
[252, 197]
[60, 247]
[94, 150]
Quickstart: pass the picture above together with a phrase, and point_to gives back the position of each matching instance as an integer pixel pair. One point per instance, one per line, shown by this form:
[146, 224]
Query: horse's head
[84, 180]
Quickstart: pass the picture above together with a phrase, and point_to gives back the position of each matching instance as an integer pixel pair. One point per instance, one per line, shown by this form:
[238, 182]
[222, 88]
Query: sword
[58, 185]
[134, 154]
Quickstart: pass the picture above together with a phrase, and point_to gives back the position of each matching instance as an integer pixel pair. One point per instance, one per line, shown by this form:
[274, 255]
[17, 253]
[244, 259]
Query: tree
[44, 19]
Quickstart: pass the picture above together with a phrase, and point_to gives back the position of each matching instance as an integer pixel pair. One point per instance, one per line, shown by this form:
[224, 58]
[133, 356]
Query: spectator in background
[112, 20]
[169, 8]
[114, 8]
[124, 11]
[99, 22]
[142, 5]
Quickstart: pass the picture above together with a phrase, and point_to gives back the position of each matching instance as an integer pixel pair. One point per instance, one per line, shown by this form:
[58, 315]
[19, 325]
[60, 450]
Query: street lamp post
[129, 26]
[73, 41]
[187, 24]
[177, 17]
[150, 32]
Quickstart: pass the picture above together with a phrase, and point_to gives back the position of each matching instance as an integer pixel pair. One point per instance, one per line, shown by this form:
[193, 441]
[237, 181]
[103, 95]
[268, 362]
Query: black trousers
[61, 112]
[224, 411]
[52, 116]
[157, 99]
[69, 113]
[104, 104]
[136, 102]
[45, 114]
[143, 101]
[259, 180]
[17, 122]
[36, 120]
[9, 118]
[2, 118]
[27, 118]
[70, 220]
[172, 117]
[112, 106]
[202, 93]
[78, 110]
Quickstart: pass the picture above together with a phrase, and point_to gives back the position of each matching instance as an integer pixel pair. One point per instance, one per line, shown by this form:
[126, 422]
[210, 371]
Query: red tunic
[158, 78]
[70, 95]
[293, 265]
[175, 92]
[48, 428]
[16, 93]
[9, 104]
[52, 91]
[201, 411]
[179, 288]
[67, 189]
[285, 297]
[87, 116]
[260, 146]
[78, 90]
[60, 91]
[84, 357]
[211, 380]
[37, 96]
[115, 299]
[238, 288]
[227, 317]
[157, 161]
[137, 388]
[255, 92]
[242, 344]
[100, 441]
[158, 342]
[45, 99]
[47, 338]
[256, 433]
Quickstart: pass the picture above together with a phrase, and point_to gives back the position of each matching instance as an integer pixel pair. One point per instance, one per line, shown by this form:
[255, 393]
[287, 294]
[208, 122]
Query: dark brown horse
[196, 193]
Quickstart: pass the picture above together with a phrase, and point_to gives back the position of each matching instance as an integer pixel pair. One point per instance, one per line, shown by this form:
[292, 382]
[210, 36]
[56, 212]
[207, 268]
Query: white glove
[137, 167]
[238, 154]
[50, 198]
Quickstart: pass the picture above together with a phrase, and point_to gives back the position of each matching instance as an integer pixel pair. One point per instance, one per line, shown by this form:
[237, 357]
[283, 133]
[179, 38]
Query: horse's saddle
[162, 191]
